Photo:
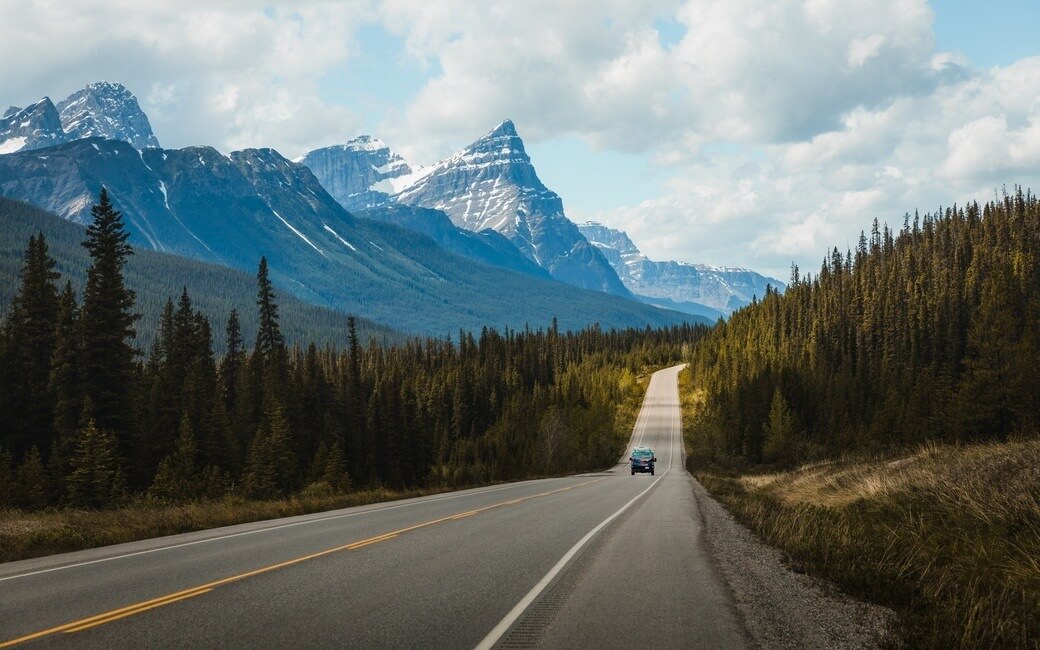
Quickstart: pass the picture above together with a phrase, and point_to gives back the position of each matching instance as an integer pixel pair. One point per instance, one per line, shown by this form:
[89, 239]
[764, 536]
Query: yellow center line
[374, 540]
[131, 612]
[137, 608]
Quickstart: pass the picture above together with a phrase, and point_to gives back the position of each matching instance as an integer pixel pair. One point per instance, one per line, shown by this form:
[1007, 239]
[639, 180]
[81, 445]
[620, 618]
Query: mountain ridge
[199, 203]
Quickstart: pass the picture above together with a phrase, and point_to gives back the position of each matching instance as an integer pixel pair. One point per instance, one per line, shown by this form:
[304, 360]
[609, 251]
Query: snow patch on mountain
[12, 145]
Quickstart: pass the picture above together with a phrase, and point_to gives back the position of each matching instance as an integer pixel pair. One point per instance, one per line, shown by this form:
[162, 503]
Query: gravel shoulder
[779, 607]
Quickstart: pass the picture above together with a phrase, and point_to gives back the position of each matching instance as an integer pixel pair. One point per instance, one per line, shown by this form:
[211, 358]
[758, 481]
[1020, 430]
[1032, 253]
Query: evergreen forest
[926, 334]
[93, 421]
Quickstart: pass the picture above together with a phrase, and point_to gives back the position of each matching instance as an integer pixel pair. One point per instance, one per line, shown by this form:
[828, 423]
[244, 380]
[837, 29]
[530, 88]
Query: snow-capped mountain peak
[107, 110]
[492, 184]
[610, 241]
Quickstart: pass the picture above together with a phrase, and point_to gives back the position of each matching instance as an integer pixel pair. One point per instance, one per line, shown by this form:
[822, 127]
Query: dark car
[643, 460]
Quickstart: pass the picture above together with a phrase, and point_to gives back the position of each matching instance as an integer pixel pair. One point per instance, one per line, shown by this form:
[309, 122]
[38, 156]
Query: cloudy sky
[734, 132]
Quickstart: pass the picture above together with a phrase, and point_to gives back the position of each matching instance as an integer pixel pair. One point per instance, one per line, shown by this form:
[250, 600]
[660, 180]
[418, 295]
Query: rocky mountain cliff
[106, 110]
[32, 127]
[491, 184]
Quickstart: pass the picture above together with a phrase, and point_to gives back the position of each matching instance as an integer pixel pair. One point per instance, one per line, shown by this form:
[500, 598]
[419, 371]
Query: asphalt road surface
[595, 560]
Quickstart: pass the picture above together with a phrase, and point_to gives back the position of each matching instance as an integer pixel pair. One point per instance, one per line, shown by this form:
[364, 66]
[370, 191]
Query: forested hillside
[89, 423]
[931, 333]
[156, 277]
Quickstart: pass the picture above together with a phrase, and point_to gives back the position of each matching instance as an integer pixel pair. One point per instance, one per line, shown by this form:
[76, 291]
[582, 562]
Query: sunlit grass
[948, 535]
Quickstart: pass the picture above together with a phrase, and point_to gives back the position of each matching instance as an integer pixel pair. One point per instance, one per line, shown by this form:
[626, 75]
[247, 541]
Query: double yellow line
[144, 606]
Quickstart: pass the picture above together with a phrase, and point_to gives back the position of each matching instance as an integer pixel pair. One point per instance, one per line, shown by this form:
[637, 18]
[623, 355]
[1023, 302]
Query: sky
[750, 133]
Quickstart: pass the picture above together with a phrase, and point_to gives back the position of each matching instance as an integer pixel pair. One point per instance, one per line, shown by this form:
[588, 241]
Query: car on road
[643, 460]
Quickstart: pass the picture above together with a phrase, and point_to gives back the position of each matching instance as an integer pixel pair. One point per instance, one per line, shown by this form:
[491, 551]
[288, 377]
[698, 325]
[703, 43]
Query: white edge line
[514, 614]
[254, 532]
[496, 634]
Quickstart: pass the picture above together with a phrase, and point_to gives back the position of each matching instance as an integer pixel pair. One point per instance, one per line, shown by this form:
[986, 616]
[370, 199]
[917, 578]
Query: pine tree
[64, 380]
[165, 374]
[779, 431]
[106, 323]
[330, 468]
[177, 478]
[271, 466]
[269, 342]
[269, 361]
[231, 364]
[27, 355]
[32, 481]
[96, 478]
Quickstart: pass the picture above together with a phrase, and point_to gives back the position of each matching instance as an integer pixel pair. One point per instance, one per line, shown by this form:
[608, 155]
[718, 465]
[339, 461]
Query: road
[594, 560]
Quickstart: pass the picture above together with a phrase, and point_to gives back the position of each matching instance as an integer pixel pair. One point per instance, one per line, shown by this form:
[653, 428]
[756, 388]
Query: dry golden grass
[25, 535]
[948, 536]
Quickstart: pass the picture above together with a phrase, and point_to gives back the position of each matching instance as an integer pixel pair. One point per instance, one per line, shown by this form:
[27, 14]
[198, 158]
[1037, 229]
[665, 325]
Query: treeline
[929, 333]
[88, 421]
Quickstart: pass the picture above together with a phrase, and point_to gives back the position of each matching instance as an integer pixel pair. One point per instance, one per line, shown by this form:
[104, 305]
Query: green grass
[947, 536]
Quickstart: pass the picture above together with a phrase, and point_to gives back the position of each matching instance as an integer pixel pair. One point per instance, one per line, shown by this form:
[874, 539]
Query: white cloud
[787, 125]
[188, 62]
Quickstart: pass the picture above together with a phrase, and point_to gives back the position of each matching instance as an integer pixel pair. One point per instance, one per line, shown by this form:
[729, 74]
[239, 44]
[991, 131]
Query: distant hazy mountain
[677, 285]
[232, 209]
[359, 174]
[103, 109]
[492, 184]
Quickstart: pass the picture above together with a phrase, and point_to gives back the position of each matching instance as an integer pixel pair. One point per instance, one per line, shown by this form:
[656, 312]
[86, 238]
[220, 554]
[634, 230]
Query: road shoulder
[781, 608]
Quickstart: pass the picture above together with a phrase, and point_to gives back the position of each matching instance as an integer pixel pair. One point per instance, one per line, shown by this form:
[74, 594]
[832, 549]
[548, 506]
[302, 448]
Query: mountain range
[398, 268]
[475, 239]
[492, 186]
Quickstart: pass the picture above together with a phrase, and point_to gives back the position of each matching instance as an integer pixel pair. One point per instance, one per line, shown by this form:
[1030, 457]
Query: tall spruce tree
[270, 357]
[269, 341]
[231, 364]
[30, 335]
[64, 376]
[106, 323]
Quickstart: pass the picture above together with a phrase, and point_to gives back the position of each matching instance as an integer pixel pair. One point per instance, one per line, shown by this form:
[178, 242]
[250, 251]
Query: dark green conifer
[106, 323]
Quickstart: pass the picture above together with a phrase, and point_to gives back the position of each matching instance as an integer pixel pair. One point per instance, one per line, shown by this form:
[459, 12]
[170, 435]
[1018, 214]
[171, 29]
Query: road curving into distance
[593, 560]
